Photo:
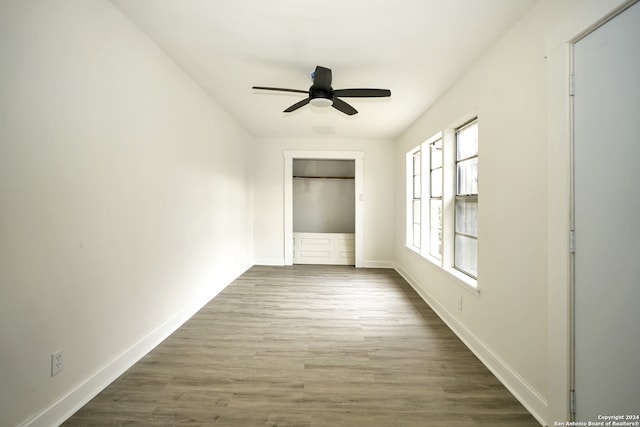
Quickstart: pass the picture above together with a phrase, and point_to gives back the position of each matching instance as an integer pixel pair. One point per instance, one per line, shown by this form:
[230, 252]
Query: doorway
[323, 211]
[358, 159]
[606, 219]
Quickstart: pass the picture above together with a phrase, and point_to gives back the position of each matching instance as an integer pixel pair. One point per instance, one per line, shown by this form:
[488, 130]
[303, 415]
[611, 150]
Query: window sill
[467, 283]
[413, 249]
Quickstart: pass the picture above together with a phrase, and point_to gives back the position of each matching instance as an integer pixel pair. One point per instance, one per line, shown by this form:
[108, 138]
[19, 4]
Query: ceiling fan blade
[297, 105]
[280, 89]
[340, 105]
[362, 93]
[322, 78]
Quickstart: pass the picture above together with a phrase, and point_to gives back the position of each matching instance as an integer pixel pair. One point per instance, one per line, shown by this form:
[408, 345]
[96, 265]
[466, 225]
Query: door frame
[358, 158]
[579, 21]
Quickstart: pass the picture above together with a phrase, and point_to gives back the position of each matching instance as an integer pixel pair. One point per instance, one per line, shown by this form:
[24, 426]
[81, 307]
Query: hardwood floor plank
[309, 346]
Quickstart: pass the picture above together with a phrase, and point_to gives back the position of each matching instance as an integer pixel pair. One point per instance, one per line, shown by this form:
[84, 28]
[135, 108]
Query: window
[416, 206]
[466, 200]
[435, 198]
[444, 229]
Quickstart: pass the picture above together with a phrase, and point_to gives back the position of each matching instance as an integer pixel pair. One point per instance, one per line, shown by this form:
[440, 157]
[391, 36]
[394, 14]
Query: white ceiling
[415, 48]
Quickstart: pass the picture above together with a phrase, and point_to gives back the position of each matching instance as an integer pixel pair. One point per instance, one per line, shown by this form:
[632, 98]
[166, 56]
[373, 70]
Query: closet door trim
[289, 156]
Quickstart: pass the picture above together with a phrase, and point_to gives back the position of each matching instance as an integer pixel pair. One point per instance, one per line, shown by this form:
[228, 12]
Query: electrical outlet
[459, 303]
[57, 363]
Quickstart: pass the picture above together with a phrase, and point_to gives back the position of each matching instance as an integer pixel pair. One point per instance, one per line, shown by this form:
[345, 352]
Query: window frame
[425, 182]
[434, 198]
[464, 198]
[446, 262]
[415, 199]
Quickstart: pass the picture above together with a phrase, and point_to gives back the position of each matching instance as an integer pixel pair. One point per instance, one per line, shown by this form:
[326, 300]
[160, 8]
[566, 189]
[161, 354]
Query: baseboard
[63, 408]
[269, 261]
[521, 389]
[378, 264]
[365, 264]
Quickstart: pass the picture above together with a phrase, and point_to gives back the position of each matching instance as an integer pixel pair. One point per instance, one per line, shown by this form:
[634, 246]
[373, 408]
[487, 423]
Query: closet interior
[324, 211]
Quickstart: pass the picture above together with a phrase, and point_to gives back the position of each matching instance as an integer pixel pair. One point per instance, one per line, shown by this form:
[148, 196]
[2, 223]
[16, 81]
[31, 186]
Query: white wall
[518, 325]
[506, 323]
[268, 169]
[125, 200]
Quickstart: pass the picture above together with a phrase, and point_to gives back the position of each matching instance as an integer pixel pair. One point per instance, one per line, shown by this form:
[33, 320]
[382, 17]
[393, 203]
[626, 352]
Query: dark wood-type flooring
[309, 346]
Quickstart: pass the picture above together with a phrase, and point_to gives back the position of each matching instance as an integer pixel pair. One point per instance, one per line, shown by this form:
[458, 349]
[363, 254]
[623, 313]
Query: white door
[607, 219]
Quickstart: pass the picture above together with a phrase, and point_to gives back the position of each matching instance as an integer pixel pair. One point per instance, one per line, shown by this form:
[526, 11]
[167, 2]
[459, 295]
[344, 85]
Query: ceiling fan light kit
[321, 102]
[321, 94]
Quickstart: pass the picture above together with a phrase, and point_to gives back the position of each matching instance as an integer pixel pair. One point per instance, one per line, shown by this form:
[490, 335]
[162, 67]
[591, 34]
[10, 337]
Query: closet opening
[324, 202]
[340, 169]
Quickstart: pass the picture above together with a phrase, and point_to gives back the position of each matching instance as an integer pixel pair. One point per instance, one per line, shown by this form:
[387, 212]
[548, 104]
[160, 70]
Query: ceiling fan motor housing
[320, 97]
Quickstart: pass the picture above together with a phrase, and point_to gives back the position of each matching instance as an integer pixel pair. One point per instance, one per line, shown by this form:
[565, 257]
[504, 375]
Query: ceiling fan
[321, 93]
